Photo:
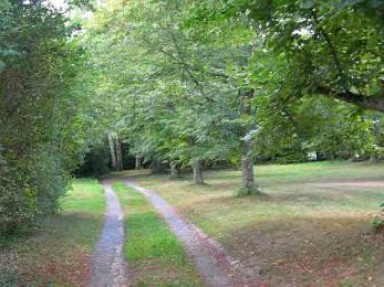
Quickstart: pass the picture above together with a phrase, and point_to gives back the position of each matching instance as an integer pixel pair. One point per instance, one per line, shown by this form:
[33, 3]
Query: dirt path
[108, 268]
[214, 266]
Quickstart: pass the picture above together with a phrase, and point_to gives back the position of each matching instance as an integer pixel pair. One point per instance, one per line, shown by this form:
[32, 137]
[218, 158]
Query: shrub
[29, 189]
[378, 220]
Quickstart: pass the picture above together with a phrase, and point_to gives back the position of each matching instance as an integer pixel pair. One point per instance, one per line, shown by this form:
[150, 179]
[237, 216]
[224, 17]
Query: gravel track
[108, 268]
[215, 267]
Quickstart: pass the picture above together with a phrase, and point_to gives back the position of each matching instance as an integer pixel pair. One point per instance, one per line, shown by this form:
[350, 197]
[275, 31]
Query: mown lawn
[310, 226]
[57, 254]
[154, 255]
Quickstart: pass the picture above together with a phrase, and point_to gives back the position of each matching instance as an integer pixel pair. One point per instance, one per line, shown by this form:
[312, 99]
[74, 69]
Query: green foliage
[179, 85]
[96, 161]
[378, 220]
[310, 125]
[323, 47]
[178, 68]
[43, 116]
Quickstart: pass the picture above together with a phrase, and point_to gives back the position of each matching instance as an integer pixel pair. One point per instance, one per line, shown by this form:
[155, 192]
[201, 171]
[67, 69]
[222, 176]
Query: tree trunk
[119, 155]
[112, 150]
[197, 172]
[138, 164]
[174, 171]
[158, 167]
[376, 130]
[248, 183]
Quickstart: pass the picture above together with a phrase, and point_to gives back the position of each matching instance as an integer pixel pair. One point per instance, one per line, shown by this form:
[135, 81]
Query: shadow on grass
[306, 192]
[304, 250]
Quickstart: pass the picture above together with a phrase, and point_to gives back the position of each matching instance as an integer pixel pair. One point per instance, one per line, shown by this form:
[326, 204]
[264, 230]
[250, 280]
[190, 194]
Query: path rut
[108, 268]
[214, 265]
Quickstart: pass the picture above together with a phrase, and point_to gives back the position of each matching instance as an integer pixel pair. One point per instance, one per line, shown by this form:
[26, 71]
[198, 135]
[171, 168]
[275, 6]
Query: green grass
[85, 197]
[288, 190]
[154, 254]
[311, 171]
[57, 254]
[310, 225]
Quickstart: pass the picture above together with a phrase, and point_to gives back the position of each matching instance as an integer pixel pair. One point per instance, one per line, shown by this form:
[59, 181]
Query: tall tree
[173, 64]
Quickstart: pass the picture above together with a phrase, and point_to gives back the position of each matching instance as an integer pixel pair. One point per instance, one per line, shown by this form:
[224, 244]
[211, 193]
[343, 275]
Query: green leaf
[307, 4]
[5, 5]
[10, 52]
[346, 3]
[2, 65]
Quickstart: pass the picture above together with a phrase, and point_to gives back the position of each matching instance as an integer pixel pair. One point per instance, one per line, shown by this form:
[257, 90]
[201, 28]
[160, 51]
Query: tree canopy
[332, 48]
[182, 69]
[186, 84]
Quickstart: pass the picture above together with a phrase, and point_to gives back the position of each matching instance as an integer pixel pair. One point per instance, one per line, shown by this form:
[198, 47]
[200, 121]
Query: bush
[378, 220]
[29, 190]
[16, 201]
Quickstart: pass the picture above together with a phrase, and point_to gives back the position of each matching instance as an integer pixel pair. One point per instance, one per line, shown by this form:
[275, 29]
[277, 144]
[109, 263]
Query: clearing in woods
[309, 227]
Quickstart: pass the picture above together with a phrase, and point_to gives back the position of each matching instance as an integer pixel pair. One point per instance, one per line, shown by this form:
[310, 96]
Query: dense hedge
[41, 127]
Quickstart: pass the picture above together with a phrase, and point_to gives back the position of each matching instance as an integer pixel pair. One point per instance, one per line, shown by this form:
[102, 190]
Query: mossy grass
[153, 253]
[254, 189]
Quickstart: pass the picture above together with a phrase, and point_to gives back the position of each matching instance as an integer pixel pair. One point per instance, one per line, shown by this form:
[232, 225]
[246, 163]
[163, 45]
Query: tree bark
[138, 163]
[112, 150]
[158, 167]
[174, 171]
[374, 102]
[197, 172]
[119, 155]
[376, 130]
[248, 182]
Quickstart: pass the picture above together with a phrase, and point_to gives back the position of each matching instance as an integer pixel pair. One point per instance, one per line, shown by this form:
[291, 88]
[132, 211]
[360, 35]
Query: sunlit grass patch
[57, 254]
[154, 254]
[85, 197]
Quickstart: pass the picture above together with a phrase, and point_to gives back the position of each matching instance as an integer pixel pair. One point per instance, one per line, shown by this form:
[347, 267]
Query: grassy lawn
[57, 253]
[154, 255]
[310, 227]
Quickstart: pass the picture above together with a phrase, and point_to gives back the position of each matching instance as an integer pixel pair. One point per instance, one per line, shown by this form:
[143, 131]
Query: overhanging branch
[375, 102]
